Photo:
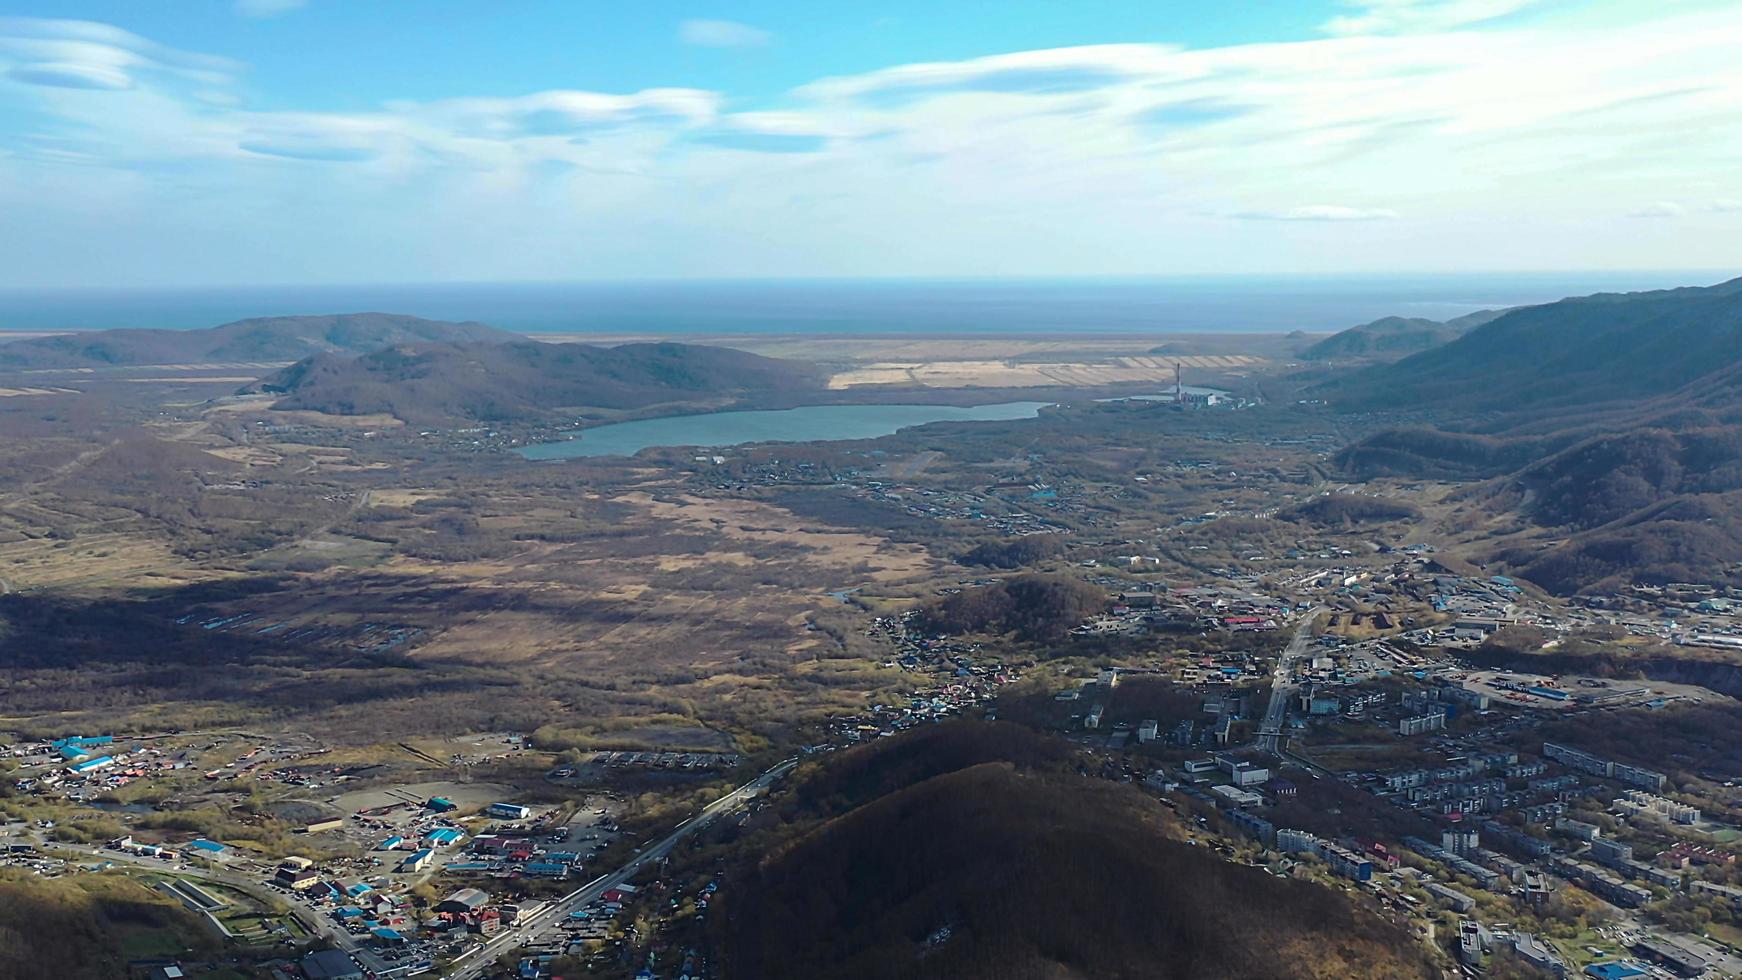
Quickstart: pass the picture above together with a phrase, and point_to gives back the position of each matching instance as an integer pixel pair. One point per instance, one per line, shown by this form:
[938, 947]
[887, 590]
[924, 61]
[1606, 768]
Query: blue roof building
[91, 764]
[209, 846]
[1614, 971]
[443, 836]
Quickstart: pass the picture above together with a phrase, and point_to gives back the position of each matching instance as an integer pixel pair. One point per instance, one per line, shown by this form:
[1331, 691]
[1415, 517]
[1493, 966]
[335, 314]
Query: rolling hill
[975, 850]
[527, 380]
[1394, 337]
[1615, 419]
[268, 339]
[1569, 354]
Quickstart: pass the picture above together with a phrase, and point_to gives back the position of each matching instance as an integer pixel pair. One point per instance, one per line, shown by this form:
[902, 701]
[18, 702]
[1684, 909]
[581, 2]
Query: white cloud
[1726, 205]
[722, 34]
[1659, 209]
[1318, 212]
[73, 75]
[87, 55]
[1502, 147]
[1401, 16]
[268, 8]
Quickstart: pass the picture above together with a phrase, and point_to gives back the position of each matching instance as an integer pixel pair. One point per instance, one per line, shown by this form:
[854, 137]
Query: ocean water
[811, 423]
[856, 307]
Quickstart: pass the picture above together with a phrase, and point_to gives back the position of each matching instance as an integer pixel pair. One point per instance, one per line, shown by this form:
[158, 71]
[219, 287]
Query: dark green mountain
[1614, 419]
[1573, 353]
[1394, 337]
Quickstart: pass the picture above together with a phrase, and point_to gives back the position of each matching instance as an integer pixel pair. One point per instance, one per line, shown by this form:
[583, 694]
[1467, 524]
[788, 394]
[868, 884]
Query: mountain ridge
[1396, 336]
[257, 339]
[526, 380]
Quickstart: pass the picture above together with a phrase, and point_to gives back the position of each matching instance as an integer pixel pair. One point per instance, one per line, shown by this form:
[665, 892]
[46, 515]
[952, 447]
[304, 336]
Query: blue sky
[275, 141]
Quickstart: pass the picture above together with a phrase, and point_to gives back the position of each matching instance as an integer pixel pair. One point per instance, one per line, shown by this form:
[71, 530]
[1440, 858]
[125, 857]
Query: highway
[1282, 688]
[547, 924]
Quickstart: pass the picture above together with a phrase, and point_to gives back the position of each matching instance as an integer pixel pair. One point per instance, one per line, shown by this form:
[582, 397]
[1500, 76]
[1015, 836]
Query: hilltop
[269, 339]
[1572, 353]
[1395, 336]
[528, 380]
[1613, 418]
[975, 850]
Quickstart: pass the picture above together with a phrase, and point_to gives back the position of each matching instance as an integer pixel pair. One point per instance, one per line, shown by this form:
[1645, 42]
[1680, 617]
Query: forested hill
[975, 850]
[1575, 352]
[1395, 336]
[529, 380]
[269, 339]
[1615, 420]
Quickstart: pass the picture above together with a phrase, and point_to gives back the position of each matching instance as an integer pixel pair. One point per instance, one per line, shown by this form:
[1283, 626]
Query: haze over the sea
[862, 306]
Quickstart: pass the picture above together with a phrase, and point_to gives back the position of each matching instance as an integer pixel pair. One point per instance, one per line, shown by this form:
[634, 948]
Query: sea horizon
[1084, 306]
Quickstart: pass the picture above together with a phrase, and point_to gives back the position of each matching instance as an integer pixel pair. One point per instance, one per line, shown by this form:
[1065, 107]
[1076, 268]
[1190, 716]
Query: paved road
[547, 924]
[1282, 689]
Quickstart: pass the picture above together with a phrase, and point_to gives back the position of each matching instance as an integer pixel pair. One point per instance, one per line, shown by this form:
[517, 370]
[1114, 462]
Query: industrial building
[466, 900]
[331, 964]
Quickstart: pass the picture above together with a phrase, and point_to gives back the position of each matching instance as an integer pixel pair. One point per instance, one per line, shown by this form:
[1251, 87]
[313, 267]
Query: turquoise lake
[812, 423]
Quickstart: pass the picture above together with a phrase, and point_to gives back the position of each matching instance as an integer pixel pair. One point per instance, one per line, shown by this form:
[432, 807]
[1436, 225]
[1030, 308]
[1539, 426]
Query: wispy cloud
[86, 54]
[1499, 145]
[1318, 212]
[268, 8]
[1727, 205]
[722, 34]
[1415, 16]
[1658, 209]
[71, 75]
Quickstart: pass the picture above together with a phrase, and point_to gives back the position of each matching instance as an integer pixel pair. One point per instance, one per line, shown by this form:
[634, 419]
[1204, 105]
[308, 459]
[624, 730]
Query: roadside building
[508, 811]
[443, 837]
[1679, 957]
[464, 901]
[331, 964]
[207, 848]
[92, 765]
[297, 879]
